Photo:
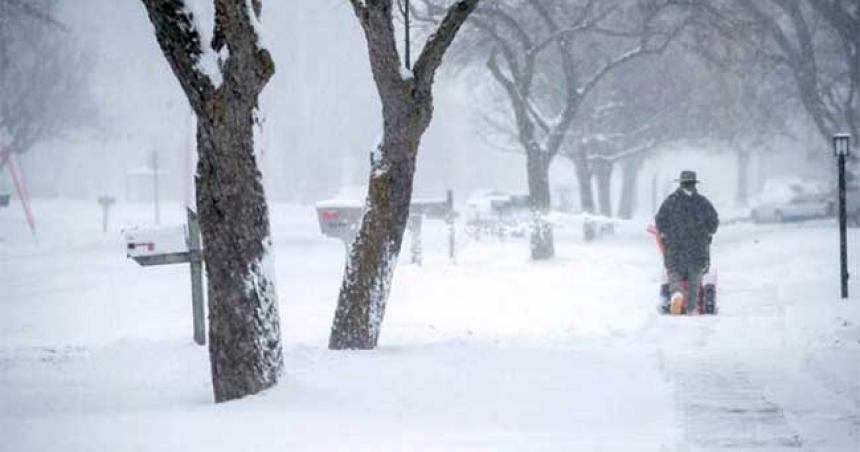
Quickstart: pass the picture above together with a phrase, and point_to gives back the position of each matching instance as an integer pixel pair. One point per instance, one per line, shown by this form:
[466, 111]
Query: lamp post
[842, 147]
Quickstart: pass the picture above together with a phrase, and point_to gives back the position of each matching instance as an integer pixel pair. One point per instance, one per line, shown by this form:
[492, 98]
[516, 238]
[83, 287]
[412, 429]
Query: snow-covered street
[492, 353]
[429, 225]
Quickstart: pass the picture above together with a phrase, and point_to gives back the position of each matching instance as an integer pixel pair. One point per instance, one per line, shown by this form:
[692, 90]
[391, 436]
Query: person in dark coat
[686, 221]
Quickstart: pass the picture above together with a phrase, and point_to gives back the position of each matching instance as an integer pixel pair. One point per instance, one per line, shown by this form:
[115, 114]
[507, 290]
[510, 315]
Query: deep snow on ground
[491, 353]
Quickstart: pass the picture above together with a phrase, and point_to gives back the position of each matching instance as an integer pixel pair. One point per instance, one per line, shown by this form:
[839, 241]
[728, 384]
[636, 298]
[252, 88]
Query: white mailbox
[174, 245]
[158, 246]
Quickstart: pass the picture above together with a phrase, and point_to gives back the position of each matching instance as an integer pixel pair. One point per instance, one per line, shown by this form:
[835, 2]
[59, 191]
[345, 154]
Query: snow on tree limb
[182, 43]
[198, 45]
[202, 14]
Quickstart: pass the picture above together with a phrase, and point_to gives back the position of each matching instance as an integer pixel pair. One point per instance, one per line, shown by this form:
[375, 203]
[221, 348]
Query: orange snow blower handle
[658, 237]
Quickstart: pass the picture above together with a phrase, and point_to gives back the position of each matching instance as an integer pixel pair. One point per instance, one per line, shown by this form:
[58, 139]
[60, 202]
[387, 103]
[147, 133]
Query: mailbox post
[106, 202]
[174, 245]
[195, 259]
[414, 227]
[340, 219]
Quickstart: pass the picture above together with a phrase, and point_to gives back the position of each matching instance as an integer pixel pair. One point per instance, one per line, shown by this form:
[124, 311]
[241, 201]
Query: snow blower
[707, 294]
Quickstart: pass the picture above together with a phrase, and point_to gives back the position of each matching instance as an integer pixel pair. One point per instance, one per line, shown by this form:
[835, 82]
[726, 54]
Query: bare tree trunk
[244, 330]
[407, 108]
[743, 181]
[586, 193]
[583, 179]
[629, 180]
[369, 270]
[603, 175]
[542, 244]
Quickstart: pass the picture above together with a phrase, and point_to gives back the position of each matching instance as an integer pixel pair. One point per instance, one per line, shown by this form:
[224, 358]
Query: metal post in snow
[195, 258]
[160, 246]
[414, 225]
[841, 147]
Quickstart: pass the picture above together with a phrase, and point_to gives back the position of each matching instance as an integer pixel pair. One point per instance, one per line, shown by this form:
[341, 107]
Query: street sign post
[174, 245]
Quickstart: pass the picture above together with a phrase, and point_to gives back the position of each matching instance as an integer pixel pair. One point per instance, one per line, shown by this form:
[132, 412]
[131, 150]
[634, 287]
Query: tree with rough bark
[41, 98]
[223, 70]
[407, 108]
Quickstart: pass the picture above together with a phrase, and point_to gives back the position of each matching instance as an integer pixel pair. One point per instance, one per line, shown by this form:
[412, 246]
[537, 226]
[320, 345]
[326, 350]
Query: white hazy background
[321, 119]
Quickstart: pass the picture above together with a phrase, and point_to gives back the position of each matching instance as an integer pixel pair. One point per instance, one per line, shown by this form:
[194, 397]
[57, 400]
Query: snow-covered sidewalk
[493, 353]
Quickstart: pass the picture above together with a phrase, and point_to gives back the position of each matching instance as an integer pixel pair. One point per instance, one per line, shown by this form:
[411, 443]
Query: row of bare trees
[585, 79]
[717, 71]
[813, 43]
[748, 68]
[548, 57]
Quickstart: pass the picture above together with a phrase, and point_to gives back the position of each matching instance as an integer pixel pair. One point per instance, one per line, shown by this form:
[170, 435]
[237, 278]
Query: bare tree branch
[431, 56]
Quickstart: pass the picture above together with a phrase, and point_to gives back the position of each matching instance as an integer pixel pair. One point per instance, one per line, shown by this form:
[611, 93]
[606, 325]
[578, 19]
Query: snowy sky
[322, 112]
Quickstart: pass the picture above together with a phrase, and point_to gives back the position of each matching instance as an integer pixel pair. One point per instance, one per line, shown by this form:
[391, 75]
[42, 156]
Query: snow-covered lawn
[493, 353]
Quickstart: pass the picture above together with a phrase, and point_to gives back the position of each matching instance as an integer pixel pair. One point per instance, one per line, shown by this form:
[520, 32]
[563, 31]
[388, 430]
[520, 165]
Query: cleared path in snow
[745, 380]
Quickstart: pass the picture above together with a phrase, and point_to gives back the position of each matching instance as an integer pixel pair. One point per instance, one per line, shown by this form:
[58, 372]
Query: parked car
[792, 200]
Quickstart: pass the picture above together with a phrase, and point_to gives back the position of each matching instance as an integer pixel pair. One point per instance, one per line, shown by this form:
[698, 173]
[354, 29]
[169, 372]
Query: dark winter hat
[688, 177]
